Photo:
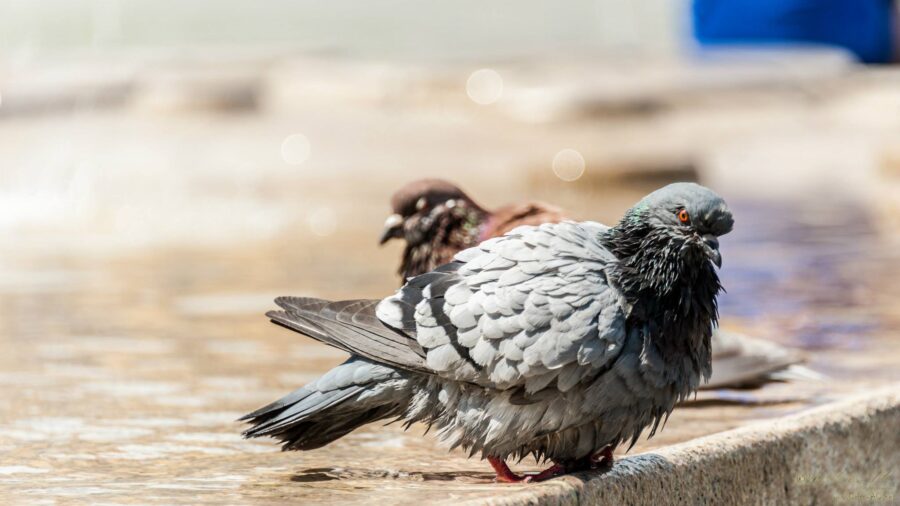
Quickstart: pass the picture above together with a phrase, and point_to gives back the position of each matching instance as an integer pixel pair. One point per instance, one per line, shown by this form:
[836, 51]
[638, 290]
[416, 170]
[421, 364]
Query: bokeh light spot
[485, 86]
[568, 165]
[295, 149]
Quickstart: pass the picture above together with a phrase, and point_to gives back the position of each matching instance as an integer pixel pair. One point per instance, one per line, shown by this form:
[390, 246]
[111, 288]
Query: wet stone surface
[122, 376]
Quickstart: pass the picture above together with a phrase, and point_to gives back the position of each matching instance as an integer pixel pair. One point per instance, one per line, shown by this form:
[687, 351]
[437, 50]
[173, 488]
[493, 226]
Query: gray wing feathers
[529, 309]
[522, 310]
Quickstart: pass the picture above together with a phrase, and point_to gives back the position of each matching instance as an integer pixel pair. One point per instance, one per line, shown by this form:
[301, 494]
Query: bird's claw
[551, 472]
[600, 460]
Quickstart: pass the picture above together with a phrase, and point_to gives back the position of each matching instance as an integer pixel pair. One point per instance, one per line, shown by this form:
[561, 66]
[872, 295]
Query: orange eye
[683, 216]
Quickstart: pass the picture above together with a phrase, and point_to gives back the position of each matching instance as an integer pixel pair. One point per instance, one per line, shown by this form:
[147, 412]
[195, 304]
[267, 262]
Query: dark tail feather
[316, 434]
[305, 420]
[352, 326]
[275, 422]
[277, 406]
[310, 306]
[351, 395]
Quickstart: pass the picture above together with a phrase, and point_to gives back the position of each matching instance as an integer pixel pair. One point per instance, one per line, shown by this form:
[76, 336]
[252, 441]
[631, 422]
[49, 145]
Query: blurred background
[167, 168]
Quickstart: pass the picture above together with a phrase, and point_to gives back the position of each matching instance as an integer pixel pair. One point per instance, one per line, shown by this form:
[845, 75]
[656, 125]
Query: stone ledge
[845, 452]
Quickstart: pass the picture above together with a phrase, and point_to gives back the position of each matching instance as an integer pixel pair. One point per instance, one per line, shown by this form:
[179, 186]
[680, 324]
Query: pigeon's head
[667, 246]
[420, 206]
[686, 215]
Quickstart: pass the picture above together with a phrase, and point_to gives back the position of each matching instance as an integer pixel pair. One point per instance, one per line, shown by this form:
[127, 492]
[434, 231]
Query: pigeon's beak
[393, 227]
[711, 246]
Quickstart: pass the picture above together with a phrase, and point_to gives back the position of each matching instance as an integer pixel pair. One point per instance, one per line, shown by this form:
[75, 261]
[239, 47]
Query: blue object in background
[864, 27]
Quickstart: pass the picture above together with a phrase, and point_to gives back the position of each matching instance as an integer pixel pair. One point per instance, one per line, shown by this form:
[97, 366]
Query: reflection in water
[807, 266]
[127, 374]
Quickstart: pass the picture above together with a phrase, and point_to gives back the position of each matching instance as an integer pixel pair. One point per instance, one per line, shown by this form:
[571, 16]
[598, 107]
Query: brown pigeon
[436, 219]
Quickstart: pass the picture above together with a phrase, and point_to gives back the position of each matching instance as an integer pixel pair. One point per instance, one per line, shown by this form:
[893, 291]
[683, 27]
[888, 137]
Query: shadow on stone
[321, 474]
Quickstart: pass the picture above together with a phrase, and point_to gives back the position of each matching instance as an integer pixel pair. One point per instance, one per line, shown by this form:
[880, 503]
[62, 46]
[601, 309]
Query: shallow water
[122, 375]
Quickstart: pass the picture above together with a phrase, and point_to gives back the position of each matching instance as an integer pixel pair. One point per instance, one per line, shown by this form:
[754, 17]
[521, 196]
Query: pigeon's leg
[504, 475]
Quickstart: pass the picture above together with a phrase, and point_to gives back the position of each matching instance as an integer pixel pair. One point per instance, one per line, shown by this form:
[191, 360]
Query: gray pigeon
[436, 219]
[559, 341]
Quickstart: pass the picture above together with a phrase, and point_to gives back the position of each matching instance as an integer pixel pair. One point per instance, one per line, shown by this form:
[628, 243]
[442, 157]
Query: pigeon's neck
[671, 290]
[434, 239]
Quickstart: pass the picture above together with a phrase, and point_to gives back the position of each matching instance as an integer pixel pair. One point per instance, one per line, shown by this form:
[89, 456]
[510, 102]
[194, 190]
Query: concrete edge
[845, 452]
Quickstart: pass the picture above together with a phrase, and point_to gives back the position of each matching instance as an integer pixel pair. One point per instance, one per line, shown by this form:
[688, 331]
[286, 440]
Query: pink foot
[504, 475]
[599, 460]
[551, 472]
